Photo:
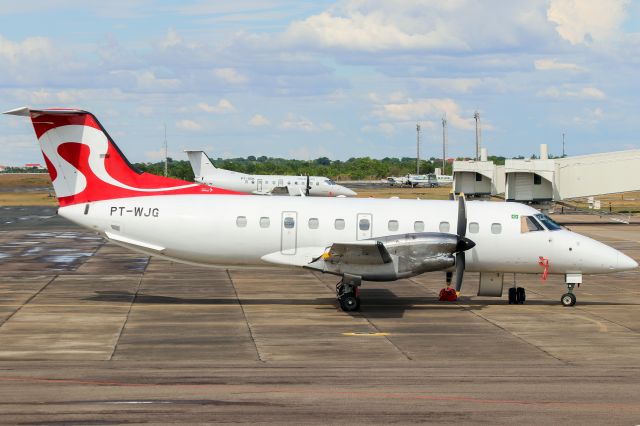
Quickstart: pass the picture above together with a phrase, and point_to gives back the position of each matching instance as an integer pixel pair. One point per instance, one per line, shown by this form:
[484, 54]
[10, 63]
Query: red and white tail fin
[86, 165]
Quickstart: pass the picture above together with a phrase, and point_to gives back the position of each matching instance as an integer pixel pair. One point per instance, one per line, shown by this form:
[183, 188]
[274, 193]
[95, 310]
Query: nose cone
[626, 263]
[347, 192]
[464, 244]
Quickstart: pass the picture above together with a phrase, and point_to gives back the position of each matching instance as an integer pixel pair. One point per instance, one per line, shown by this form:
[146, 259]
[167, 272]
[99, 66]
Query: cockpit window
[548, 222]
[329, 182]
[529, 224]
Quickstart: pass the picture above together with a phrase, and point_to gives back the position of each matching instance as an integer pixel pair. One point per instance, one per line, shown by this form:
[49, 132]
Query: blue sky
[304, 79]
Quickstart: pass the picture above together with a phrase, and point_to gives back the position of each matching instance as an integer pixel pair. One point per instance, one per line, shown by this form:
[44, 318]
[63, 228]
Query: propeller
[308, 189]
[464, 243]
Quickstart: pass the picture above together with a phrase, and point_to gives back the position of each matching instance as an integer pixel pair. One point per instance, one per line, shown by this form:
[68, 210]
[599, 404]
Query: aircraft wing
[366, 252]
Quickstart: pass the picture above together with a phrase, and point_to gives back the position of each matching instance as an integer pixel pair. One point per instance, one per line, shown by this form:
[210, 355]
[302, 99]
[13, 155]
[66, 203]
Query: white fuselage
[264, 184]
[238, 229]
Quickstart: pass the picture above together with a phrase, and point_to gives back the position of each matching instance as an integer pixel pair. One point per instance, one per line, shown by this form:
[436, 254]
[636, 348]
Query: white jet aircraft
[356, 239]
[207, 173]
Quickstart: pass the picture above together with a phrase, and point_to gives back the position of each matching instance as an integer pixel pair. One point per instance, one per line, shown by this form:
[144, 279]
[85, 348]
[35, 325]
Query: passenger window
[393, 225]
[339, 224]
[364, 224]
[289, 222]
[529, 224]
[265, 222]
[313, 223]
[241, 221]
[444, 227]
[496, 228]
[474, 227]
[418, 226]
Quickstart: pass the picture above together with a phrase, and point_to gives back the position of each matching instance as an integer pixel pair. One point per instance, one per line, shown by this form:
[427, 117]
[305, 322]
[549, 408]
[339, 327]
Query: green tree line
[351, 169]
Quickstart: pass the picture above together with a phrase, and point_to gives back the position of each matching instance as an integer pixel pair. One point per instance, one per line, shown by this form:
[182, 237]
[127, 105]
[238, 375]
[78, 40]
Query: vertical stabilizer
[85, 164]
[201, 164]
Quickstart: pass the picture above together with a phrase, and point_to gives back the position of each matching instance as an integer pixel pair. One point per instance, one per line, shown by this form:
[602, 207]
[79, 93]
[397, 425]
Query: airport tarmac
[91, 333]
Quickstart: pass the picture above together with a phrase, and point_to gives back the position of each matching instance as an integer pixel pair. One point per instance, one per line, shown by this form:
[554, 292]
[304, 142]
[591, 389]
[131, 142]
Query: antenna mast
[166, 155]
[418, 149]
[563, 145]
[476, 115]
[444, 143]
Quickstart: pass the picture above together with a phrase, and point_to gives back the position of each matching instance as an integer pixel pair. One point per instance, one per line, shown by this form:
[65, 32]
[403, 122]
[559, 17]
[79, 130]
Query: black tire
[349, 302]
[521, 295]
[568, 299]
[513, 297]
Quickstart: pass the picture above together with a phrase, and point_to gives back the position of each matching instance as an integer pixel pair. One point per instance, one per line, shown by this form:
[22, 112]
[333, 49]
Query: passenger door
[364, 226]
[289, 234]
[259, 187]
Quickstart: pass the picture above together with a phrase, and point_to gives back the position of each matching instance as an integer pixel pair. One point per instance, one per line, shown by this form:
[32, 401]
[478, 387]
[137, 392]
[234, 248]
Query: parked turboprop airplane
[356, 239]
[207, 173]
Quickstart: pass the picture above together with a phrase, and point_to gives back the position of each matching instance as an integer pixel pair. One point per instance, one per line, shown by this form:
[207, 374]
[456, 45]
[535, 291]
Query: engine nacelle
[394, 257]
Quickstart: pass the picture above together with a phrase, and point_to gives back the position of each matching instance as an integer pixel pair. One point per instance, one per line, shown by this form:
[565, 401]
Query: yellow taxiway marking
[365, 334]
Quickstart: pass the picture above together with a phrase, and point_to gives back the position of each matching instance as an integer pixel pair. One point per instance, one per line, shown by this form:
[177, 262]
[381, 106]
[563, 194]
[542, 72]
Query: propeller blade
[308, 187]
[462, 216]
[459, 270]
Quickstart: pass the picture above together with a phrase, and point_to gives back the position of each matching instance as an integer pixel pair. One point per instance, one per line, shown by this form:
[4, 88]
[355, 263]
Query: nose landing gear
[569, 299]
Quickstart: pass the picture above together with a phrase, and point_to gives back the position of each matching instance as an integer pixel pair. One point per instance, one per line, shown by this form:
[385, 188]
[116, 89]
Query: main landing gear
[348, 292]
[517, 295]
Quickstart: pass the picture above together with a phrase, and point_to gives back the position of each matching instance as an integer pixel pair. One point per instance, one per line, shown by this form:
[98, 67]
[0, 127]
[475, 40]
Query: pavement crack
[6, 320]
[126, 320]
[246, 320]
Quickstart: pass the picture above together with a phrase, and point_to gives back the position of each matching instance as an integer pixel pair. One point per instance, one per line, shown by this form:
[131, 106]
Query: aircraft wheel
[513, 296]
[521, 295]
[349, 302]
[568, 299]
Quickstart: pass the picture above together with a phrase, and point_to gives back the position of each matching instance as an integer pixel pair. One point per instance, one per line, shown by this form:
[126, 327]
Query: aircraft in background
[355, 239]
[319, 186]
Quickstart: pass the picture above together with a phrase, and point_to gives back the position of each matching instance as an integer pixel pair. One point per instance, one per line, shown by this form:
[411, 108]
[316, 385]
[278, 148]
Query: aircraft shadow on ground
[376, 303]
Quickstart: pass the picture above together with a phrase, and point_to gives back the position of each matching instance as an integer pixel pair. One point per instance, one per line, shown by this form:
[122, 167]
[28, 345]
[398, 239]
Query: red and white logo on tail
[86, 165]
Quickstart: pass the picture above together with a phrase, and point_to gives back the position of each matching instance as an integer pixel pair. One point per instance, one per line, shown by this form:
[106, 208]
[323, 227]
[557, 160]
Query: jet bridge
[597, 174]
[545, 180]
[478, 178]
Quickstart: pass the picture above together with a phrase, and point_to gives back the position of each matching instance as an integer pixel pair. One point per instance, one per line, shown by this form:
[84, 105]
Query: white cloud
[148, 81]
[553, 65]
[378, 25]
[222, 107]
[259, 120]
[372, 31]
[171, 39]
[298, 122]
[145, 111]
[387, 129]
[188, 125]
[582, 93]
[30, 48]
[590, 116]
[584, 21]
[230, 75]
[426, 108]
